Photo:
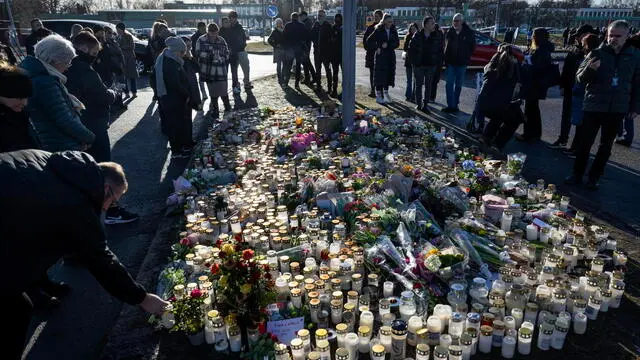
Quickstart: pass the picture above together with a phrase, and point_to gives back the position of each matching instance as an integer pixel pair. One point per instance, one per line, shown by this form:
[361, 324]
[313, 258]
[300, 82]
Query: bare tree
[149, 4]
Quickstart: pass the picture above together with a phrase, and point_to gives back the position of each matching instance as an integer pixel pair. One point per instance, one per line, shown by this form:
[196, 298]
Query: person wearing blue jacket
[54, 112]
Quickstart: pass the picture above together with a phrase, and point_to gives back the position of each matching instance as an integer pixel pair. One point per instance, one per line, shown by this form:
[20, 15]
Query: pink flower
[185, 242]
[196, 293]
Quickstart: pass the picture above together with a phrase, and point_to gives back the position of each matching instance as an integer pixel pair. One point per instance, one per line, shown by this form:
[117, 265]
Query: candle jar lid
[471, 331]
[211, 314]
[422, 333]
[455, 350]
[466, 339]
[385, 330]
[352, 294]
[303, 334]
[378, 350]
[336, 304]
[486, 330]
[364, 331]
[399, 327]
[314, 303]
[525, 333]
[617, 285]
[349, 307]
[280, 349]
[421, 349]
[322, 345]
[296, 344]
[337, 295]
[440, 352]
[498, 325]
[594, 300]
[531, 307]
[342, 354]
[342, 328]
[314, 355]
[321, 334]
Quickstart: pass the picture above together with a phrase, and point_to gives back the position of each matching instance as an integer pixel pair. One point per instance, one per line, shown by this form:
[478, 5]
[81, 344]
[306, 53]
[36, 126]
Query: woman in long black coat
[409, 93]
[385, 40]
[538, 74]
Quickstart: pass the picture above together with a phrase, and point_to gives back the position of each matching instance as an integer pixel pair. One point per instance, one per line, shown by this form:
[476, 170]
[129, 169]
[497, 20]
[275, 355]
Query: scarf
[161, 88]
[78, 106]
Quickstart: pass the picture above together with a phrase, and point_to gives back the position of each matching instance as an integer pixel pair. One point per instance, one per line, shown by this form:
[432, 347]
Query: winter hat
[585, 29]
[14, 82]
[175, 44]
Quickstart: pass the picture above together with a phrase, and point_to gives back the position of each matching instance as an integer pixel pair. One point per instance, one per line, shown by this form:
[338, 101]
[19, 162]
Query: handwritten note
[285, 330]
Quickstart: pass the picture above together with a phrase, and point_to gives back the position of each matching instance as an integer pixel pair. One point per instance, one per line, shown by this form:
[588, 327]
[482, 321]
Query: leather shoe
[593, 184]
[573, 180]
[623, 142]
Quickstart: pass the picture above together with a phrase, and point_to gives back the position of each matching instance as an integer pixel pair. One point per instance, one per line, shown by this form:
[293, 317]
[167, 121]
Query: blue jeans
[455, 78]
[626, 128]
[409, 92]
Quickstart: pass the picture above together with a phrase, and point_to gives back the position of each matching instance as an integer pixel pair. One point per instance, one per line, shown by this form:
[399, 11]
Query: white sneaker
[387, 98]
[380, 98]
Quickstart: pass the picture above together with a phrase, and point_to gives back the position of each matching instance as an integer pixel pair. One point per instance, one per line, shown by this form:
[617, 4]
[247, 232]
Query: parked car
[255, 32]
[63, 27]
[184, 31]
[486, 47]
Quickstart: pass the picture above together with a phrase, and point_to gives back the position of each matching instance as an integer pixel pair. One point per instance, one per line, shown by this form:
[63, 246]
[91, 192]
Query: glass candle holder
[508, 347]
[398, 340]
[485, 340]
[351, 344]
[387, 289]
[341, 330]
[422, 352]
[524, 340]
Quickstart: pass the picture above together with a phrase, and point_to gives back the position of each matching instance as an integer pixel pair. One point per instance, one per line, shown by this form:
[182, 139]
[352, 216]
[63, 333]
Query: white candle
[351, 344]
[524, 340]
[366, 319]
[579, 323]
[385, 338]
[486, 338]
[544, 235]
[505, 221]
[415, 323]
[532, 232]
[508, 347]
[387, 289]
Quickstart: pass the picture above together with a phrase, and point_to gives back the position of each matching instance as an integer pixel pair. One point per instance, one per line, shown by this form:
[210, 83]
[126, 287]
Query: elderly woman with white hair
[54, 112]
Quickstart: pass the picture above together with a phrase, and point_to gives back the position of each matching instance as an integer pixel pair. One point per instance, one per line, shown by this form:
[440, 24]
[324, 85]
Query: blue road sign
[272, 11]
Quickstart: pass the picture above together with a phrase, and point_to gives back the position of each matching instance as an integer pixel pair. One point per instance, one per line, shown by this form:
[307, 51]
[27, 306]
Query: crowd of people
[56, 107]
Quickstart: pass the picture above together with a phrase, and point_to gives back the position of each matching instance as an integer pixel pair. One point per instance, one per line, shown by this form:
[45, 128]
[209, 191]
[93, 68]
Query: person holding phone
[611, 76]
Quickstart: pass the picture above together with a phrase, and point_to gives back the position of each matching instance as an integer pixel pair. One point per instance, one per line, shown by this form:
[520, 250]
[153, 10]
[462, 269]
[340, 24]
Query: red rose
[247, 254]
[274, 338]
[267, 276]
[185, 242]
[255, 276]
[215, 268]
[222, 254]
[219, 243]
[196, 293]
[417, 286]
[172, 299]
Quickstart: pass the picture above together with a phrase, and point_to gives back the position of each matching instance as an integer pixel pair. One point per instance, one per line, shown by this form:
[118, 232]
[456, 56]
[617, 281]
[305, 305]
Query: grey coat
[127, 46]
[601, 95]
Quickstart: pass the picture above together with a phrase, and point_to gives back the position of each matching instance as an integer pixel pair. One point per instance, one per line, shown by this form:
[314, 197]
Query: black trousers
[336, 65]
[317, 63]
[434, 84]
[592, 123]
[502, 125]
[309, 71]
[565, 122]
[533, 125]
[20, 308]
[373, 87]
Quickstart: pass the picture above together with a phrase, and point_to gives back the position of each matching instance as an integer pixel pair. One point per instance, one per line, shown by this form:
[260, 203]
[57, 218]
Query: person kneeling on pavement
[73, 189]
[501, 81]
[172, 87]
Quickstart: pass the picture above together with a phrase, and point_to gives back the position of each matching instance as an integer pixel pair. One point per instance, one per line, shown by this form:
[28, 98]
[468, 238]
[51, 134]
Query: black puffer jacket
[370, 52]
[459, 47]
[571, 63]
[63, 193]
[601, 95]
[16, 131]
[235, 37]
[426, 51]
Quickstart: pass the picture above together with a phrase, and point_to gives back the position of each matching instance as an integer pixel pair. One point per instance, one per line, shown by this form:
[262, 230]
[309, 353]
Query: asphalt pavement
[79, 328]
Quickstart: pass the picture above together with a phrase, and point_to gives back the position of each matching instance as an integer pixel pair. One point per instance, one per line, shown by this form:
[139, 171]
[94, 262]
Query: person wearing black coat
[409, 92]
[276, 40]
[460, 43]
[369, 52]
[325, 51]
[336, 53]
[295, 37]
[497, 99]
[385, 40]
[84, 83]
[567, 81]
[38, 32]
[425, 52]
[171, 84]
[314, 34]
[436, 75]
[540, 61]
[16, 131]
[72, 190]
[310, 75]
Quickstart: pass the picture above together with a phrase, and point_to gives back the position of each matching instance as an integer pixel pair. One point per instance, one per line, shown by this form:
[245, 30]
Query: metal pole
[348, 63]
[495, 31]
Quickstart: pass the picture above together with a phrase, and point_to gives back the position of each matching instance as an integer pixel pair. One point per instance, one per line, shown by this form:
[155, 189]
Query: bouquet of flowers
[242, 283]
[187, 311]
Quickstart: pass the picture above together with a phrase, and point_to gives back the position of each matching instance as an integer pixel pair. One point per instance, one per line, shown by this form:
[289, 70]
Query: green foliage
[264, 347]
[188, 314]
[179, 251]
